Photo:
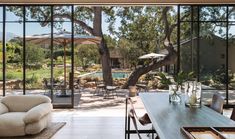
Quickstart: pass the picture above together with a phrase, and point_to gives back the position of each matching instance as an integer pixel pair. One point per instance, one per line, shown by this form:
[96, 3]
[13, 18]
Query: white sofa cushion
[12, 124]
[3, 108]
[22, 103]
[37, 127]
[36, 113]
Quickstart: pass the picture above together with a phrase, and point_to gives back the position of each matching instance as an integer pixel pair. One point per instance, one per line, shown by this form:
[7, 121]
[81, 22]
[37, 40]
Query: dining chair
[100, 88]
[47, 85]
[217, 103]
[144, 120]
[233, 114]
[142, 86]
[78, 86]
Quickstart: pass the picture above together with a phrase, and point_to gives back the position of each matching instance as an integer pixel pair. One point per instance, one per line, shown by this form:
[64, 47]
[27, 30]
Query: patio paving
[85, 99]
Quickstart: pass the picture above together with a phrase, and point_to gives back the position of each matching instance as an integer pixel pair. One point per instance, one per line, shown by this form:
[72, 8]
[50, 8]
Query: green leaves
[163, 79]
[178, 79]
[182, 77]
[86, 55]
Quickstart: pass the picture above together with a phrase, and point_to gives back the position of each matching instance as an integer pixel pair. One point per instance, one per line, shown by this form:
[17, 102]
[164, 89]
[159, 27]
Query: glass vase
[174, 93]
[192, 94]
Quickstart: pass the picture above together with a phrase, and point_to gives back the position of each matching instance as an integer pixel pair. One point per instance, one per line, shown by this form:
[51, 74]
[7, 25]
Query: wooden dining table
[168, 118]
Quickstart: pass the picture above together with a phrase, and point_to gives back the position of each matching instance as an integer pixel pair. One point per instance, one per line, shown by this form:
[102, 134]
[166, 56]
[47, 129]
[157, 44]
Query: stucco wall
[231, 58]
[211, 54]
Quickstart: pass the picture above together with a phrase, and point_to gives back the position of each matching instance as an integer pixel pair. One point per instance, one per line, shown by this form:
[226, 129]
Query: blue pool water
[116, 75]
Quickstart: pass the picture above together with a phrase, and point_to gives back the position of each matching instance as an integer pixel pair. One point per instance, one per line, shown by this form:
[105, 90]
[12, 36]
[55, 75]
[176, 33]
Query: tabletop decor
[192, 93]
[174, 93]
[208, 132]
[175, 84]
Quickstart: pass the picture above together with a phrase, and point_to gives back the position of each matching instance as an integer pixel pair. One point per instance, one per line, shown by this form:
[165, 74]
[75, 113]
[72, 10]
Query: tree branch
[108, 9]
[175, 25]
[77, 21]
[167, 26]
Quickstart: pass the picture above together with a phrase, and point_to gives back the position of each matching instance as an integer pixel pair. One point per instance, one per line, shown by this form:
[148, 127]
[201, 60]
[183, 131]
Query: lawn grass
[34, 78]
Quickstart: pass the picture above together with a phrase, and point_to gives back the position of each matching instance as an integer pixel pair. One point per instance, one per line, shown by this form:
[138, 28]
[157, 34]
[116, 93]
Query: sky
[35, 28]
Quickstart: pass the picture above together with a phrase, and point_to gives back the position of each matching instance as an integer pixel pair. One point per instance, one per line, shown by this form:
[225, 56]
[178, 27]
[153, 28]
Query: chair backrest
[233, 114]
[132, 114]
[98, 82]
[132, 109]
[23, 103]
[217, 103]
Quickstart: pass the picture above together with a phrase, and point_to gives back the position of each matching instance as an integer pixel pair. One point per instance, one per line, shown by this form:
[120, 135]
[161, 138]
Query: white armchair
[21, 115]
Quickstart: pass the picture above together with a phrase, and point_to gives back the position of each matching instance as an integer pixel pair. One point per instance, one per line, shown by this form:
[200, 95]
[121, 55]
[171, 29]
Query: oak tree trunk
[103, 49]
[171, 58]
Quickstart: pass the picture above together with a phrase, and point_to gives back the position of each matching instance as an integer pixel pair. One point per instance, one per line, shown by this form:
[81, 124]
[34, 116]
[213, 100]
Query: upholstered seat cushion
[38, 126]
[3, 108]
[37, 113]
[21, 103]
[21, 114]
[12, 124]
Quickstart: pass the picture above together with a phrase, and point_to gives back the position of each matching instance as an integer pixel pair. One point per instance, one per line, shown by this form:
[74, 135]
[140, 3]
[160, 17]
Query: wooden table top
[168, 118]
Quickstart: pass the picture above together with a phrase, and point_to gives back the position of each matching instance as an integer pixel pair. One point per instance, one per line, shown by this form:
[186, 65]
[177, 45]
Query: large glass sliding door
[209, 51]
[37, 51]
[14, 51]
[40, 65]
[1, 52]
[188, 39]
[231, 63]
[62, 56]
[212, 59]
[231, 55]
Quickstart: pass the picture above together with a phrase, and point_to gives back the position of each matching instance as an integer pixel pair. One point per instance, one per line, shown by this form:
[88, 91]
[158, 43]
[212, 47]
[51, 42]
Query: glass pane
[188, 47]
[62, 63]
[231, 64]
[38, 13]
[195, 13]
[231, 11]
[212, 59]
[213, 13]
[86, 17]
[185, 13]
[1, 62]
[14, 59]
[38, 64]
[14, 13]
[62, 13]
[1, 53]
[1, 14]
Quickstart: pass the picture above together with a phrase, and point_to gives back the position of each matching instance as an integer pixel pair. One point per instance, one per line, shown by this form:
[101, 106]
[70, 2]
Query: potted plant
[175, 84]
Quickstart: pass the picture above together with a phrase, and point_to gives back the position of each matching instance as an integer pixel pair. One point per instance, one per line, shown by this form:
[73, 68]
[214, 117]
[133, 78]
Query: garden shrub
[149, 77]
[34, 66]
[10, 76]
[60, 72]
[219, 76]
[31, 80]
[89, 79]
[96, 67]
[19, 70]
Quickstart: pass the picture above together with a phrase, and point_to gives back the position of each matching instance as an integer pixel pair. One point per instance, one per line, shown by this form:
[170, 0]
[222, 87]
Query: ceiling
[117, 2]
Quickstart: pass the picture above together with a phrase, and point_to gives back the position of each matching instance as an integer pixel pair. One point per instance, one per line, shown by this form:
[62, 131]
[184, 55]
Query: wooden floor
[89, 125]
[79, 126]
[96, 123]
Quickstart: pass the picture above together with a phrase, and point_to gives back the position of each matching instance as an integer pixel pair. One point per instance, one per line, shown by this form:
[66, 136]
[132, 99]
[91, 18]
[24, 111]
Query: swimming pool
[116, 75]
